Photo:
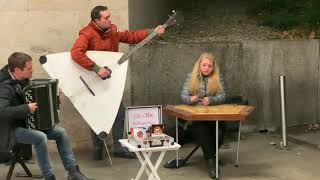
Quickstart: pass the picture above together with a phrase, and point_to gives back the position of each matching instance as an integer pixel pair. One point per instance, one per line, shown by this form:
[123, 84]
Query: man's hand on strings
[159, 30]
[103, 73]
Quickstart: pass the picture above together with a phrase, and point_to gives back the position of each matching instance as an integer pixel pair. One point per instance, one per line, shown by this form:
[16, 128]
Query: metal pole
[177, 140]
[283, 111]
[217, 149]
[238, 145]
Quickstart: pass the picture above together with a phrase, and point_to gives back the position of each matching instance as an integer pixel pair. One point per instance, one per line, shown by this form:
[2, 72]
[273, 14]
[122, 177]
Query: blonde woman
[205, 86]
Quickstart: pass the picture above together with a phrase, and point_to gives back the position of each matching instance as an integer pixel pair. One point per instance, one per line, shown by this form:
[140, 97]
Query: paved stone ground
[307, 135]
[259, 160]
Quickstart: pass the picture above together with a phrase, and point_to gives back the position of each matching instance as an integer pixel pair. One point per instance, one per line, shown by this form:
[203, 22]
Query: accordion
[45, 93]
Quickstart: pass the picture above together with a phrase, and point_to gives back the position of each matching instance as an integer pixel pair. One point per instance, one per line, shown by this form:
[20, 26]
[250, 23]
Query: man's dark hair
[18, 60]
[95, 12]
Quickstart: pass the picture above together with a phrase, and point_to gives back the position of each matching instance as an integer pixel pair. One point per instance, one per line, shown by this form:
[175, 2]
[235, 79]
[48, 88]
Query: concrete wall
[264, 62]
[40, 27]
[251, 69]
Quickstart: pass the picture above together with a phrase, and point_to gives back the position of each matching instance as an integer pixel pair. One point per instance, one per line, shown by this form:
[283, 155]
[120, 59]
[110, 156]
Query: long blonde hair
[213, 85]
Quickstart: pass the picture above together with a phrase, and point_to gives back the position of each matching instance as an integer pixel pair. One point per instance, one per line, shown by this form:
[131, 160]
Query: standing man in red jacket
[101, 35]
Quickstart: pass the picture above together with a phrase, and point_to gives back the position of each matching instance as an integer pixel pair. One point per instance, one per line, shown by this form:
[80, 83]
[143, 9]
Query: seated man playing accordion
[13, 114]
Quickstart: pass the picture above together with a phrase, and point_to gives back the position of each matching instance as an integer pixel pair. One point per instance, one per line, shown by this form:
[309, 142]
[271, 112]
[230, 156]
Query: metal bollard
[283, 144]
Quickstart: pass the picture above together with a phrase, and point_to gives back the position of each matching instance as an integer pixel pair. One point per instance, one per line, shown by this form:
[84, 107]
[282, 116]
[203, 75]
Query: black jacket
[13, 109]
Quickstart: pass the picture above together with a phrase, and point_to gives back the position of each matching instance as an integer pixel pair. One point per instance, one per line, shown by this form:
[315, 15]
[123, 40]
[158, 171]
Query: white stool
[144, 155]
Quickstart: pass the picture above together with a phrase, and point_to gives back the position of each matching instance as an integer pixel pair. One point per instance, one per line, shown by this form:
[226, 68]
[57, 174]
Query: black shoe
[122, 152]
[50, 178]
[75, 174]
[212, 168]
[125, 154]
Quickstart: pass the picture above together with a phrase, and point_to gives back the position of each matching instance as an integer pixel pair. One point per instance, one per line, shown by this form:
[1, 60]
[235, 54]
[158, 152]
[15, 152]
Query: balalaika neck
[127, 55]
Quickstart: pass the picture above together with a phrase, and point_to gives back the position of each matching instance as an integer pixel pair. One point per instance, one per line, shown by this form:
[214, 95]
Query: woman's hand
[194, 99]
[205, 101]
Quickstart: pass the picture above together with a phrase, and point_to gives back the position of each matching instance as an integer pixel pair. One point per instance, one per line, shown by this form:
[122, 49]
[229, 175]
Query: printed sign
[143, 117]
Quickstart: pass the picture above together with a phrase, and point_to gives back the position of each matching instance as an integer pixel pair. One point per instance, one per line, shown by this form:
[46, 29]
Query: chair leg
[26, 169]
[13, 163]
[191, 153]
[20, 160]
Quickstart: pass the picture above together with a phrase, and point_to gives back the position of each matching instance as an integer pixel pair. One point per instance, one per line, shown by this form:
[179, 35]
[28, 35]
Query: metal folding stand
[181, 161]
[103, 137]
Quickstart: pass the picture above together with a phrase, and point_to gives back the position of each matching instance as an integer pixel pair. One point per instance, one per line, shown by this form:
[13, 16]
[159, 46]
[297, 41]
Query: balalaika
[45, 92]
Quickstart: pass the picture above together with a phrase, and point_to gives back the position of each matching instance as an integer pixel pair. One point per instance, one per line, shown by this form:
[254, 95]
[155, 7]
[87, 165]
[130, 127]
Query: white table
[144, 155]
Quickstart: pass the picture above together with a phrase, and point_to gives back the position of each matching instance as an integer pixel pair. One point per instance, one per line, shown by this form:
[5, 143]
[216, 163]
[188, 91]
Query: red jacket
[93, 38]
